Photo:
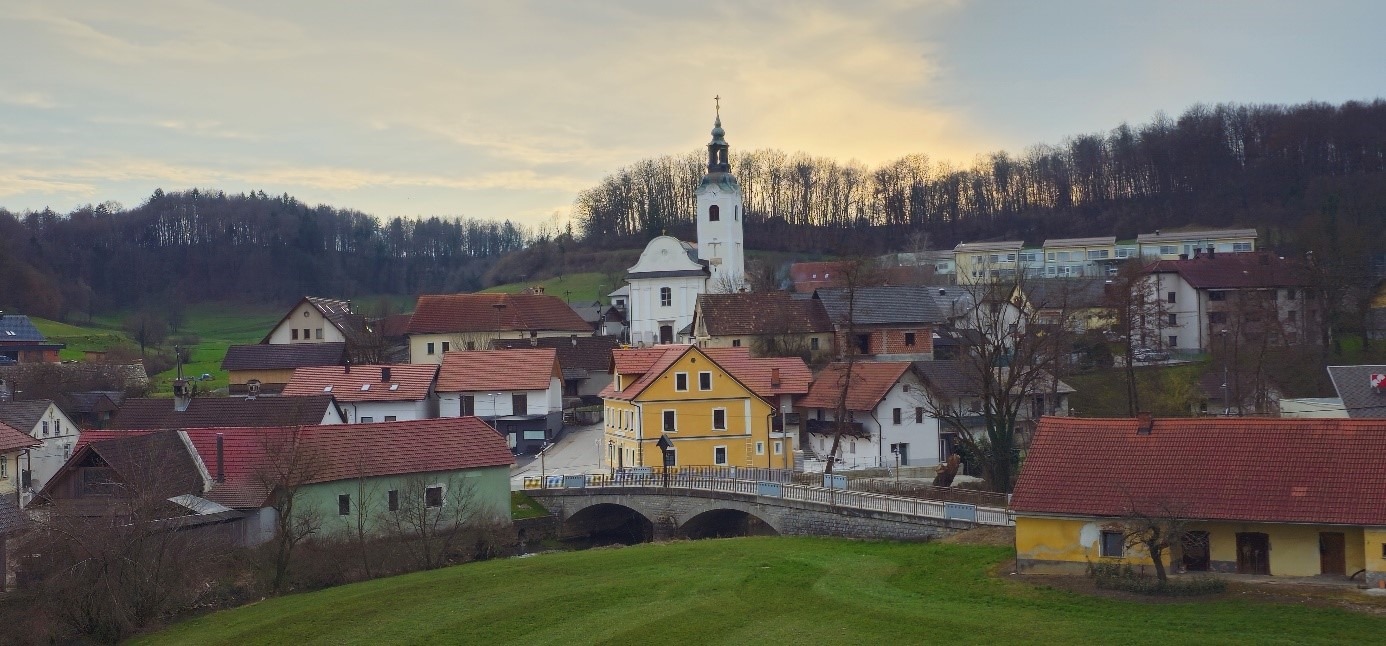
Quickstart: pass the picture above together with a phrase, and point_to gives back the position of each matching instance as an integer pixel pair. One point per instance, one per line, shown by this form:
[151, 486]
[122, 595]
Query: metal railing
[739, 481]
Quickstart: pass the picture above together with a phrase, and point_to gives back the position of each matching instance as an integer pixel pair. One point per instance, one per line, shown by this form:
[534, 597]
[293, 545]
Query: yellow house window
[681, 381]
[670, 421]
[1113, 544]
[719, 419]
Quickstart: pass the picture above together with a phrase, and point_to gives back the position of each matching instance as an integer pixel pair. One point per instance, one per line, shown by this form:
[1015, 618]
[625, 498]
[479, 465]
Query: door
[1332, 553]
[666, 334]
[1253, 553]
[1196, 555]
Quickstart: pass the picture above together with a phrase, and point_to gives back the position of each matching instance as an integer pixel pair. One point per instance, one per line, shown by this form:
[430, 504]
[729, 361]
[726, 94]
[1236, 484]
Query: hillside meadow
[753, 591]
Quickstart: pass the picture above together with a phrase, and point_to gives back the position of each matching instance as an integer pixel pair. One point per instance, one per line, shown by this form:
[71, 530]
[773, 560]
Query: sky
[509, 109]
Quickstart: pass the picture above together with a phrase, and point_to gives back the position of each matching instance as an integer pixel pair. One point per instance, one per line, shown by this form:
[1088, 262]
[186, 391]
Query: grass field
[752, 591]
[1161, 390]
[79, 338]
[585, 287]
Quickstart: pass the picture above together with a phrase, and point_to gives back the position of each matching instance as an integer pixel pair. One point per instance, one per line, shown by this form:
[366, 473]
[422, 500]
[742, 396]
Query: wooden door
[1332, 553]
[1253, 553]
[1196, 554]
[666, 334]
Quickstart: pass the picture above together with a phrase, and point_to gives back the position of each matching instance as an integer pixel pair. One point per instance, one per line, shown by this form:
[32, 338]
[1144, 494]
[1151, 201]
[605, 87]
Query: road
[578, 451]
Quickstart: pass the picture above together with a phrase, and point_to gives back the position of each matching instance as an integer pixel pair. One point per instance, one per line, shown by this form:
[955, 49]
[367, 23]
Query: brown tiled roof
[871, 380]
[649, 363]
[762, 313]
[151, 413]
[264, 356]
[477, 370]
[395, 325]
[406, 382]
[757, 373]
[949, 378]
[590, 353]
[340, 451]
[1236, 469]
[463, 313]
[1237, 271]
[12, 439]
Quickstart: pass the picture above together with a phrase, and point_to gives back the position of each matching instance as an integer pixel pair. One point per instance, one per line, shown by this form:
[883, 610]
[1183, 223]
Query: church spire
[717, 148]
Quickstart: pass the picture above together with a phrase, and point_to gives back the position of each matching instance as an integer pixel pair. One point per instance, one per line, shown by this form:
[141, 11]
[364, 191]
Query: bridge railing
[727, 482]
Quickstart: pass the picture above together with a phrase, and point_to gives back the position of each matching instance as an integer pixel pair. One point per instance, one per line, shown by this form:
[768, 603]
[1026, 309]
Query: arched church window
[736, 213]
[714, 213]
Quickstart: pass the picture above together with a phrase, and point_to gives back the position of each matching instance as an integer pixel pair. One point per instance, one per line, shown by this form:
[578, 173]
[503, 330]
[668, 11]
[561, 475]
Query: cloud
[37, 100]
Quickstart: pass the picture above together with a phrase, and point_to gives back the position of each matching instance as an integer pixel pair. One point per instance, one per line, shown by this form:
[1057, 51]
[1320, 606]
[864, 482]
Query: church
[665, 283]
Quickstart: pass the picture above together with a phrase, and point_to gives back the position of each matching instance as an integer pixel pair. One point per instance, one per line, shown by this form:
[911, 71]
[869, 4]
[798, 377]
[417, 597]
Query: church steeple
[717, 148]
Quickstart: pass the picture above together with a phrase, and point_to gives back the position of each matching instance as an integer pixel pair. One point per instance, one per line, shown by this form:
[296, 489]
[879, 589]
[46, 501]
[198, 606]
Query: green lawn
[751, 591]
[585, 287]
[79, 338]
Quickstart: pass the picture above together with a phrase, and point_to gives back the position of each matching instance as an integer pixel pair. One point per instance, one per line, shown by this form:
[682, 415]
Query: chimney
[346, 368]
[1184, 256]
[573, 337]
[384, 374]
[182, 395]
[942, 292]
[221, 459]
[348, 307]
[533, 341]
[774, 377]
[1211, 249]
[1144, 423]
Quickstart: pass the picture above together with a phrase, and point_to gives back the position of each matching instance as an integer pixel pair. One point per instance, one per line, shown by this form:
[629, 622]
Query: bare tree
[146, 328]
[290, 465]
[1157, 528]
[1138, 312]
[427, 513]
[854, 275]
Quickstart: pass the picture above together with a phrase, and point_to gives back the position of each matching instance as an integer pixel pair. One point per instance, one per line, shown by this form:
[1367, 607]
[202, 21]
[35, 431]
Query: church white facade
[665, 283]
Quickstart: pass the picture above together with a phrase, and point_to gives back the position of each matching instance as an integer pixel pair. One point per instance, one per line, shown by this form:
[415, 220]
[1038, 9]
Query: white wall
[538, 402]
[44, 461]
[647, 314]
[922, 437]
[307, 317]
[377, 411]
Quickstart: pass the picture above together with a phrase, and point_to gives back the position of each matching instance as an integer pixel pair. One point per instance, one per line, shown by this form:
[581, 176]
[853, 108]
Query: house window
[519, 404]
[666, 296]
[293, 334]
[392, 499]
[681, 381]
[4, 468]
[1168, 249]
[344, 504]
[45, 429]
[468, 408]
[714, 213]
[719, 456]
[704, 381]
[317, 334]
[1173, 341]
[1172, 319]
[918, 415]
[305, 334]
[760, 448]
[390, 418]
[1217, 296]
[719, 419]
[433, 496]
[896, 416]
[777, 447]
[1241, 247]
[736, 343]
[1170, 297]
[471, 345]
[813, 343]
[818, 414]
[429, 348]
[1113, 544]
[670, 421]
[909, 339]
[1289, 294]
[447, 345]
[366, 420]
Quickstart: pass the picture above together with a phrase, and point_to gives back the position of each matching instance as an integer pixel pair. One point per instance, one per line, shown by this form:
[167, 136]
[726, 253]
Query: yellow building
[1279, 497]
[712, 417]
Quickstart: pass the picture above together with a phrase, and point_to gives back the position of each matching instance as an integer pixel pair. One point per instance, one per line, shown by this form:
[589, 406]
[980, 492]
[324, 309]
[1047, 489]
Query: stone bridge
[656, 513]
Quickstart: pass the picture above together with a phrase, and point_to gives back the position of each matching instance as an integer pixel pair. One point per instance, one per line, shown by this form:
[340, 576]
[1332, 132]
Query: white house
[519, 391]
[316, 320]
[666, 282]
[1214, 298]
[45, 422]
[886, 415]
[370, 393]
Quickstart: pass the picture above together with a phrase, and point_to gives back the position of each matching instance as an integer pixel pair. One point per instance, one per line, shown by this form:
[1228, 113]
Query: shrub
[1117, 576]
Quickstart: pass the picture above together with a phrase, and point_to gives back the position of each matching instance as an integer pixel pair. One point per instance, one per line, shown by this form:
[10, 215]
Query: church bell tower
[720, 213]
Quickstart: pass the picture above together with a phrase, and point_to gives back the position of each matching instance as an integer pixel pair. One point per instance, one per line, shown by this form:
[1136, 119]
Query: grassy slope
[584, 287]
[758, 590]
[79, 338]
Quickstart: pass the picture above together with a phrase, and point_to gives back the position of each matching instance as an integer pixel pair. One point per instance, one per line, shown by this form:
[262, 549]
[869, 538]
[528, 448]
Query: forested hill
[207, 245]
[1301, 174]
[1309, 177]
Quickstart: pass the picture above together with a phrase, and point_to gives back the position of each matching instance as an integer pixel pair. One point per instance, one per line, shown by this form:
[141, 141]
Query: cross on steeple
[717, 101]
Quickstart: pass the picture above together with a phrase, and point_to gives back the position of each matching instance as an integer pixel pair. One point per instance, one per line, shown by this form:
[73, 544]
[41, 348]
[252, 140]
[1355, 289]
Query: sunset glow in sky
[509, 109]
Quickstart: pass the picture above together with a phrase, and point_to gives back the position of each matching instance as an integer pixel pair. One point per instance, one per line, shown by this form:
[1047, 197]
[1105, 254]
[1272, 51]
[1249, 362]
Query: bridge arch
[607, 523]
[725, 522]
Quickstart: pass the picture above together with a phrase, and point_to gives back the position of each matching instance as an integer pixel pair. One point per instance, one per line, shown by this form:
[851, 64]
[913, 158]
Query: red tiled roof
[158, 412]
[462, 313]
[761, 313]
[407, 382]
[871, 380]
[1236, 271]
[1240, 469]
[757, 373]
[395, 325]
[649, 363]
[339, 452]
[12, 439]
[518, 369]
